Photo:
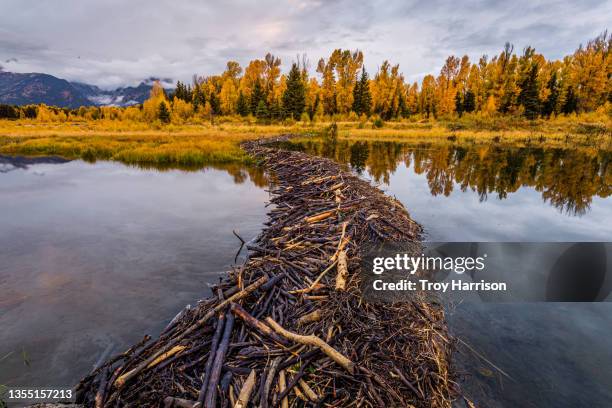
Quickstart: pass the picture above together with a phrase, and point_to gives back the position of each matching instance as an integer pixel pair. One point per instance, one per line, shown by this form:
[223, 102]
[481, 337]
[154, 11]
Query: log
[245, 392]
[211, 393]
[314, 341]
[211, 356]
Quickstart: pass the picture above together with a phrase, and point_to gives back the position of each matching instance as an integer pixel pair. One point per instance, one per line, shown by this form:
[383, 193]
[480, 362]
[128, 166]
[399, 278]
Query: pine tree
[257, 95]
[215, 103]
[197, 97]
[163, 113]
[571, 101]
[469, 101]
[528, 97]
[550, 105]
[242, 107]
[262, 110]
[294, 97]
[313, 109]
[276, 111]
[459, 104]
[362, 99]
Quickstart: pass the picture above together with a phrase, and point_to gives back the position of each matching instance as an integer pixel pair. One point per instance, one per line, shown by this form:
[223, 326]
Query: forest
[525, 85]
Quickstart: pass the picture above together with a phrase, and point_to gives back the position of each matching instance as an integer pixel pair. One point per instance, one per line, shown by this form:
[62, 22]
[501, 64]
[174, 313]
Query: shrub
[378, 123]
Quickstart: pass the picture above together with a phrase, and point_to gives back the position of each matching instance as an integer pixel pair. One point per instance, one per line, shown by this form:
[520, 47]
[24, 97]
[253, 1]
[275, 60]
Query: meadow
[205, 143]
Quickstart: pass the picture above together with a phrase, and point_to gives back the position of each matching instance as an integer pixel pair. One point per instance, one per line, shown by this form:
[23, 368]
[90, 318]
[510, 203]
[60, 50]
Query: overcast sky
[121, 42]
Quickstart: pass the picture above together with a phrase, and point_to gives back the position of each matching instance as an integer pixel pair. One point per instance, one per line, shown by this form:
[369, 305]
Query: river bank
[292, 315]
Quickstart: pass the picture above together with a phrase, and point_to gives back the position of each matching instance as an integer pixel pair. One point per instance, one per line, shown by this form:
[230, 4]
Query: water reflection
[239, 173]
[92, 256]
[567, 179]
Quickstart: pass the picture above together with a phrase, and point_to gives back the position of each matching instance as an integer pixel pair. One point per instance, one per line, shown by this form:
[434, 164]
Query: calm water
[557, 354]
[93, 256]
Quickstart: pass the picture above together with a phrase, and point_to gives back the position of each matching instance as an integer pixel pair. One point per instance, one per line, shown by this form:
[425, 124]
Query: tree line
[508, 83]
[527, 84]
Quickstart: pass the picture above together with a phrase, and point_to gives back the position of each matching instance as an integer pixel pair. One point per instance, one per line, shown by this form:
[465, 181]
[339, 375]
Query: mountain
[35, 88]
[23, 89]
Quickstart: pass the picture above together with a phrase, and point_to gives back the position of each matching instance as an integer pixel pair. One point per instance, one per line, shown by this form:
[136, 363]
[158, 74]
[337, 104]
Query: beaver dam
[289, 327]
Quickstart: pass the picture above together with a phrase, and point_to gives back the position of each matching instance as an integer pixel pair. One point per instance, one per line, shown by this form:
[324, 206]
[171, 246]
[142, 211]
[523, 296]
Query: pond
[93, 256]
[96, 255]
[552, 354]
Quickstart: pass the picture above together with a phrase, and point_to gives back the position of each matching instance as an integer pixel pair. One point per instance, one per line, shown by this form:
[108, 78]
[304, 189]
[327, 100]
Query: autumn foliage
[508, 84]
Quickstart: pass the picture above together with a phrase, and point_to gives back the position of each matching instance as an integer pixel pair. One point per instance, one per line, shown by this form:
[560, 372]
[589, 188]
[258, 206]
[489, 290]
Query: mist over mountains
[36, 88]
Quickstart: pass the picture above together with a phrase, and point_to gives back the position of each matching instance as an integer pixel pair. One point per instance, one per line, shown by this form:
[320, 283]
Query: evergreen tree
[198, 98]
[362, 99]
[469, 101]
[313, 109]
[8, 112]
[550, 105]
[163, 113]
[262, 110]
[294, 97]
[528, 96]
[215, 103]
[242, 107]
[257, 95]
[402, 106]
[182, 92]
[459, 104]
[276, 111]
[571, 102]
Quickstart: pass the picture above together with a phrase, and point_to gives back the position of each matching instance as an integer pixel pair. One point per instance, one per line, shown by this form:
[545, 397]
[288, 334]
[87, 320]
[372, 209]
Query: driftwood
[342, 271]
[280, 334]
[316, 342]
[245, 392]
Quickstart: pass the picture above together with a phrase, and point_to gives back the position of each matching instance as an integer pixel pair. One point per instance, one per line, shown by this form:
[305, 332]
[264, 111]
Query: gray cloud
[114, 42]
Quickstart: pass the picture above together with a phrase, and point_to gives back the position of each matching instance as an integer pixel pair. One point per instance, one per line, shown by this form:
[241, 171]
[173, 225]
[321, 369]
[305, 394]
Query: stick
[282, 385]
[311, 340]
[342, 272]
[211, 356]
[211, 394]
[256, 324]
[170, 402]
[308, 391]
[120, 382]
[263, 403]
[314, 316]
[245, 392]
[100, 395]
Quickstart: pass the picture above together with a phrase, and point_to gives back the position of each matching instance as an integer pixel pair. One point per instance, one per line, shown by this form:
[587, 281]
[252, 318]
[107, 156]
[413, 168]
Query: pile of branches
[289, 327]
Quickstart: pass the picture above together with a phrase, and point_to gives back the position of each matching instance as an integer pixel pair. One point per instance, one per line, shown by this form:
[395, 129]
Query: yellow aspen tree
[228, 96]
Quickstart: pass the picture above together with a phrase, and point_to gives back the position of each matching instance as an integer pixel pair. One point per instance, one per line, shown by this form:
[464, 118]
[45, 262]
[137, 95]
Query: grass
[192, 145]
[171, 146]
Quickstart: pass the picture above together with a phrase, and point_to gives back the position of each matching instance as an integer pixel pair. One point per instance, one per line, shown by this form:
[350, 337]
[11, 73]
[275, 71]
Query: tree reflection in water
[568, 179]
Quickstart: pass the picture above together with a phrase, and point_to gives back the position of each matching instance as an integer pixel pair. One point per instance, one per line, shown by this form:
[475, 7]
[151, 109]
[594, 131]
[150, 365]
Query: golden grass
[135, 143]
[206, 144]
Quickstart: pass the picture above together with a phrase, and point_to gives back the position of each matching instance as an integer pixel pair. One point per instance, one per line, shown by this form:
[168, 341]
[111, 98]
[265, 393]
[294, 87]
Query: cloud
[113, 43]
